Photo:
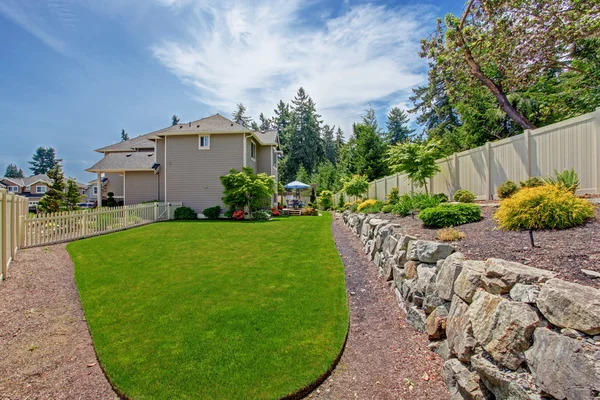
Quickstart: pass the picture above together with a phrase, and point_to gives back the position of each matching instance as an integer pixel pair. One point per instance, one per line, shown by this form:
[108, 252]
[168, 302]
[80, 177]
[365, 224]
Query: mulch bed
[46, 351]
[565, 252]
[385, 358]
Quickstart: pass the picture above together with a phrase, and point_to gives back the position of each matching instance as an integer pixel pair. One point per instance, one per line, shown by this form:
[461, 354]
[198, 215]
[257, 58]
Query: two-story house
[183, 163]
[33, 187]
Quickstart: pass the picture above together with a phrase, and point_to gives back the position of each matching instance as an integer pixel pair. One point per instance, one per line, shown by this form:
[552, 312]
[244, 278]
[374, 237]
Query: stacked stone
[506, 330]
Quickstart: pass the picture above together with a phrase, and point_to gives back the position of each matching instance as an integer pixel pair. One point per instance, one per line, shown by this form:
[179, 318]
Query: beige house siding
[264, 159]
[34, 187]
[160, 159]
[193, 174]
[249, 161]
[140, 187]
[114, 184]
[8, 183]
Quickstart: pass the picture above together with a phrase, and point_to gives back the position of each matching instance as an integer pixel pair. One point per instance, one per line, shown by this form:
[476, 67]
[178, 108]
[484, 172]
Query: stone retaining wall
[506, 330]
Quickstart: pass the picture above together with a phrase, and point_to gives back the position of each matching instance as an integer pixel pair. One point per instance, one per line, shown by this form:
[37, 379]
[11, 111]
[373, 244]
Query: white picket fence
[12, 209]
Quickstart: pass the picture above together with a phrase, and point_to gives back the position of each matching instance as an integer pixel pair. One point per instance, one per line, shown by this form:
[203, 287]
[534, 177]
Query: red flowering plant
[275, 212]
[238, 215]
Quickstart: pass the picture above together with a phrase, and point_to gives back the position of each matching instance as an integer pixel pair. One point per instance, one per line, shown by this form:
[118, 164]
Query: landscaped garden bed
[214, 310]
[563, 251]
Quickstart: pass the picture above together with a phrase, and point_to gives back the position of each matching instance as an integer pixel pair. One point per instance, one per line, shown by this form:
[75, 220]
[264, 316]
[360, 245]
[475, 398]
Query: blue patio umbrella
[297, 185]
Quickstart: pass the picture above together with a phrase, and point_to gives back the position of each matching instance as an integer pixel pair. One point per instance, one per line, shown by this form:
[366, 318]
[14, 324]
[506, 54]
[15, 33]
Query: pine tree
[254, 126]
[54, 199]
[73, 195]
[370, 120]
[265, 123]
[12, 171]
[124, 135]
[369, 153]
[43, 160]
[174, 120]
[329, 143]
[21, 174]
[239, 116]
[397, 124]
[281, 121]
[302, 175]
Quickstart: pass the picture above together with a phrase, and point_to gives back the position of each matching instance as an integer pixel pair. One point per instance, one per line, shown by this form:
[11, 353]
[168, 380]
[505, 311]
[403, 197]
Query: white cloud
[257, 54]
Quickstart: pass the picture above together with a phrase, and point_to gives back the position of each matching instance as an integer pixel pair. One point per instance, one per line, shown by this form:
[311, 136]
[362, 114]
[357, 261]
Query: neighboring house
[33, 187]
[91, 191]
[183, 163]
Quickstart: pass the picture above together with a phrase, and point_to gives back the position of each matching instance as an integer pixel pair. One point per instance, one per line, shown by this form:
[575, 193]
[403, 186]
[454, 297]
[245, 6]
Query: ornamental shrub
[566, 179]
[388, 208]
[261, 215]
[212, 212]
[442, 197]
[543, 207]
[326, 200]
[341, 202]
[238, 215]
[394, 196]
[534, 181]
[245, 188]
[507, 189]
[464, 196]
[449, 234]
[358, 185]
[447, 214]
[310, 211]
[185, 213]
[367, 203]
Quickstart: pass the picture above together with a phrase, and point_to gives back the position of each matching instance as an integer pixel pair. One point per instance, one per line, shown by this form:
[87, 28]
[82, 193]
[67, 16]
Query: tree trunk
[531, 239]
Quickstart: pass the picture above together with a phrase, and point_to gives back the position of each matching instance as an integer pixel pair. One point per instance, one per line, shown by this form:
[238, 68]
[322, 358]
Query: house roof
[267, 137]
[29, 180]
[139, 142]
[122, 161]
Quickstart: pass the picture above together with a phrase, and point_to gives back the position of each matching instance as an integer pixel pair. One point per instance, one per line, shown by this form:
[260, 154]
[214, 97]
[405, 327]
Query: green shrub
[534, 181]
[370, 206]
[228, 213]
[464, 196]
[567, 179]
[354, 207]
[445, 215]
[507, 189]
[543, 207]
[402, 209]
[388, 208]
[185, 213]
[422, 201]
[326, 200]
[110, 199]
[341, 205]
[212, 212]
[442, 197]
[261, 215]
[394, 196]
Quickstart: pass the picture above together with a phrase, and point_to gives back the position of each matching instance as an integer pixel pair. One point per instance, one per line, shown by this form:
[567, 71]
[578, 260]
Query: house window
[204, 142]
[40, 189]
[95, 190]
[253, 150]
[14, 189]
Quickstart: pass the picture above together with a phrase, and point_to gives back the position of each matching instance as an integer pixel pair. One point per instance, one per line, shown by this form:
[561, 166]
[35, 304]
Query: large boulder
[398, 273]
[504, 384]
[463, 384]
[525, 293]
[403, 241]
[449, 271]
[571, 305]
[440, 347]
[563, 367]
[411, 251]
[425, 276]
[459, 330]
[469, 279]
[431, 301]
[504, 328]
[416, 318]
[429, 251]
[389, 244]
[435, 325]
[501, 275]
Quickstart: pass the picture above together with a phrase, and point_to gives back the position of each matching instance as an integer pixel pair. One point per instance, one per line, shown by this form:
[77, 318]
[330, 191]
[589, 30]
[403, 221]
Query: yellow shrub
[543, 207]
[449, 234]
[367, 203]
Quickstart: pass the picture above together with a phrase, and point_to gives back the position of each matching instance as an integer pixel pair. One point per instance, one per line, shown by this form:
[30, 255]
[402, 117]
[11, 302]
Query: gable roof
[139, 142]
[213, 124]
[123, 161]
[29, 180]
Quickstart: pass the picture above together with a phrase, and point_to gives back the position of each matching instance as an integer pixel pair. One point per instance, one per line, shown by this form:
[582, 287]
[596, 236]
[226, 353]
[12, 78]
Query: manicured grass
[215, 309]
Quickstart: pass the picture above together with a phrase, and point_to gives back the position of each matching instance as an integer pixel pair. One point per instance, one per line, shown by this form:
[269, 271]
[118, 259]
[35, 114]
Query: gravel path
[46, 350]
[385, 358]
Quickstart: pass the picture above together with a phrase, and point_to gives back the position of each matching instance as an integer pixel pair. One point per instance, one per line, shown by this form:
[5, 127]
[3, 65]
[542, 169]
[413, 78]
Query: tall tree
[124, 135]
[239, 116]
[416, 160]
[43, 160]
[254, 126]
[370, 120]
[369, 153]
[54, 199]
[397, 124]
[265, 123]
[303, 176]
[329, 143]
[174, 120]
[73, 195]
[282, 119]
[12, 171]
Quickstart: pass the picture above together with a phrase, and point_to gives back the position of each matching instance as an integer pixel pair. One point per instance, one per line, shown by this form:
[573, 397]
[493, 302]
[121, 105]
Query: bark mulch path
[565, 252]
[46, 351]
[385, 358]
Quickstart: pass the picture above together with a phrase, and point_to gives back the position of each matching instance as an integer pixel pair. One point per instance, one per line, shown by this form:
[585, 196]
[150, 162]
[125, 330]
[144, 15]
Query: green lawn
[215, 309]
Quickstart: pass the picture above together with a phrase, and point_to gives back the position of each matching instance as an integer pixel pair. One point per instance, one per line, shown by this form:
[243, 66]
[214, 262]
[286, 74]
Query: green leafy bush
[507, 189]
[370, 206]
[185, 213]
[534, 181]
[326, 199]
[245, 188]
[394, 196]
[388, 208]
[261, 215]
[212, 212]
[566, 179]
[442, 197]
[228, 213]
[446, 214]
[341, 205]
[543, 207]
[464, 196]
[356, 186]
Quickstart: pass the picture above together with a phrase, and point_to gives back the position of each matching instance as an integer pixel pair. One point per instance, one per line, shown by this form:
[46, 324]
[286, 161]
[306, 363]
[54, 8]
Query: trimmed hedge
[185, 213]
[447, 214]
[464, 196]
[507, 189]
[212, 212]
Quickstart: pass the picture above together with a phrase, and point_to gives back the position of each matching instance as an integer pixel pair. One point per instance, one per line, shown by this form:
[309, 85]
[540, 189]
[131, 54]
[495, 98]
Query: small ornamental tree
[416, 160]
[341, 202]
[54, 199]
[247, 189]
[358, 185]
[73, 195]
[326, 199]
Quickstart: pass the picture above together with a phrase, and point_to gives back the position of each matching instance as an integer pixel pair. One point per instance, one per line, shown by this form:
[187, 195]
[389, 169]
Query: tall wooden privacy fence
[20, 230]
[573, 143]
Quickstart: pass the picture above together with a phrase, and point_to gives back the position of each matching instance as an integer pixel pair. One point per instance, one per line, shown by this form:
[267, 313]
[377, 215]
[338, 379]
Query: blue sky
[75, 72]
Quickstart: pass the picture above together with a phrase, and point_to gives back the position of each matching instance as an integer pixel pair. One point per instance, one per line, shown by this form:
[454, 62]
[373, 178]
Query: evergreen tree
[124, 135]
[265, 123]
[73, 195]
[21, 173]
[254, 126]
[43, 160]
[370, 120]
[281, 121]
[174, 120]
[54, 199]
[397, 124]
[329, 143]
[12, 171]
[327, 177]
[302, 175]
[239, 116]
[369, 154]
